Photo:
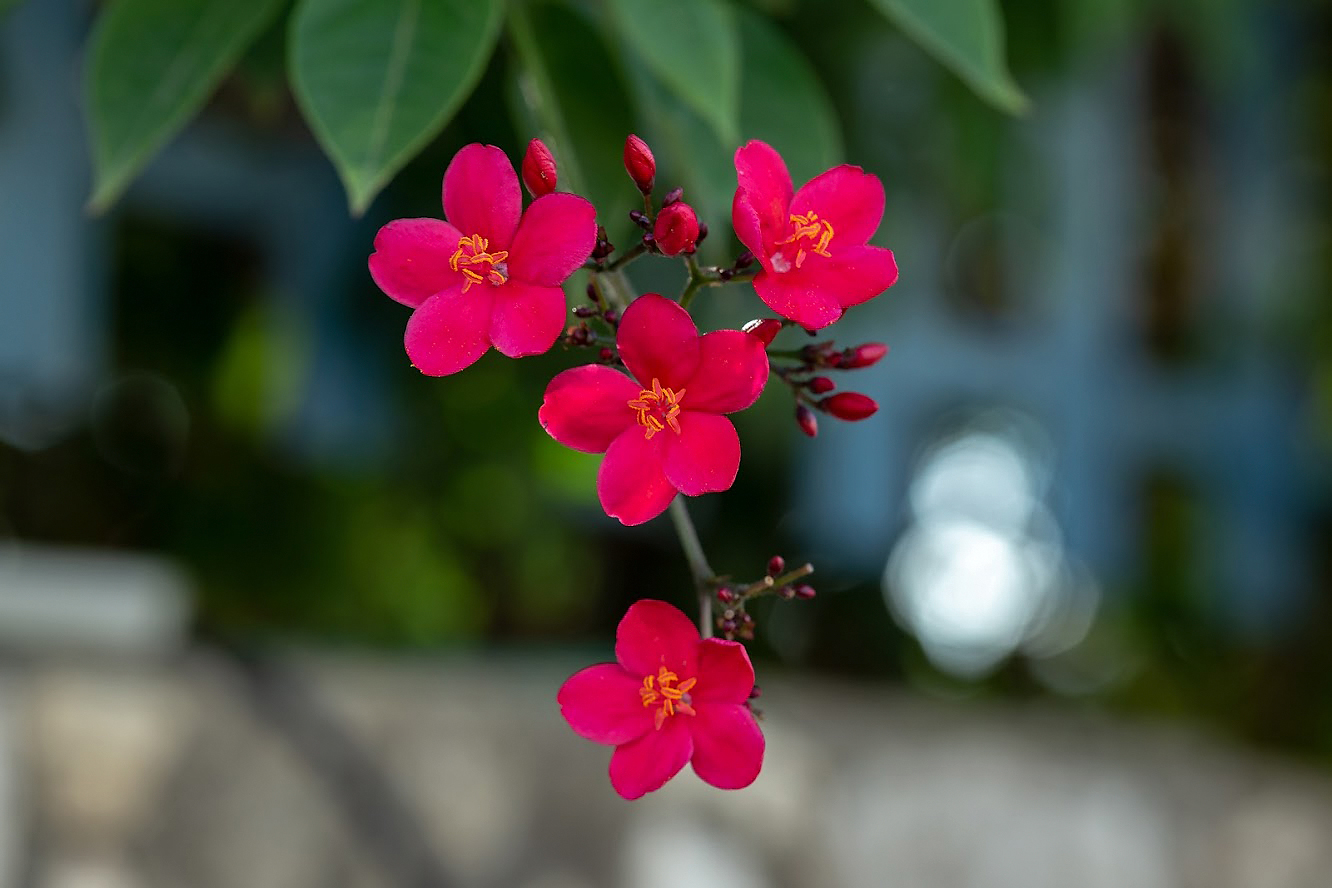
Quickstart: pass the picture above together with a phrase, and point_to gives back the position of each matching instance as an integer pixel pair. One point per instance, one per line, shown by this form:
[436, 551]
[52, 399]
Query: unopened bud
[865, 355]
[804, 591]
[639, 218]
[766, 329]
[605, 354]
[702, 231]
[585, 311]
[672, 196]
[806, 420]
[538, 169]
[725, 595]
[850, 406]
[676, 230]
[786, 593]
[728, 626]
[821, 385]
[639, 163]
[776, 564]
[755, 693]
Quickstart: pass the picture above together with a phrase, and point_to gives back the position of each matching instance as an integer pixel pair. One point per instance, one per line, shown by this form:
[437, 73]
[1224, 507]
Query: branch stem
[698, 563]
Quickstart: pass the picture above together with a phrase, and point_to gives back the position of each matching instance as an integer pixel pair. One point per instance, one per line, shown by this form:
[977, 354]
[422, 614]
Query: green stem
[698, 563]
[627, 256]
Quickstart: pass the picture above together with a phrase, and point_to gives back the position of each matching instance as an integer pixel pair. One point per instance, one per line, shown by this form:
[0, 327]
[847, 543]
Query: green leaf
[378, 79]
[691, 46]
[966, 36]
[151, 65]
[565, 90]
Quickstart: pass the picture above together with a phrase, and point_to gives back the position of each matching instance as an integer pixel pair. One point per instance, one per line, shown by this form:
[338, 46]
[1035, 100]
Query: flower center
[809, 234]
[478, 266]
[663, 689]
[658, 408]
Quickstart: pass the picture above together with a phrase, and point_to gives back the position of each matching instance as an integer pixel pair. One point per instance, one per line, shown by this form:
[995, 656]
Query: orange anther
[478, 266]
[657, 408]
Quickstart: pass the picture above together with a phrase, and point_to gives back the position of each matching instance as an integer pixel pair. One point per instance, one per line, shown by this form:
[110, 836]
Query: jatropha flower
[812, 244]
[671, 698]
[491, 274]
[662, 431]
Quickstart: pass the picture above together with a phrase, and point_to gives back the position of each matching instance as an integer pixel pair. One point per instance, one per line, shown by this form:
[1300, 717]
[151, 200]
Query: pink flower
[672, 698]
[662, 431]
[812, 245]
[491, 274]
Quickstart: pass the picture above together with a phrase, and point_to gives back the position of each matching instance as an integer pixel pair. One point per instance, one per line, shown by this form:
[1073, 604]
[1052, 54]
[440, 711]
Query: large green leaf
[693, 47]
[6, 5]
[968, 37]
[378, 79]
[151, 66]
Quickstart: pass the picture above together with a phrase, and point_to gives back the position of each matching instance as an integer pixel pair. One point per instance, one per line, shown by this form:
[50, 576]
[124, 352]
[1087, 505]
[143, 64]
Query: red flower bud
[864, 355]
[806, 420]
[776, 564]
[538, 169]
[639, 162]
[821, 385]
[850, 406]
[676, 230]
[766, 329]
[725, 595]
[804, 591]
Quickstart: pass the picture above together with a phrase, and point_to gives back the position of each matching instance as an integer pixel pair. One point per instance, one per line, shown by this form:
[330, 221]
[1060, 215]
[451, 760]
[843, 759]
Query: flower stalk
[698, 563]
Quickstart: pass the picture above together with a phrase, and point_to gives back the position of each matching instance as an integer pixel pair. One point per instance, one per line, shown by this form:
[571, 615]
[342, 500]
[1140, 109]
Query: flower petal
[653, 634]
[798, 296]
[631, 483]
[858, 274]
[732, 371]
[482, 195]
[725, 674]
[449, 331]
[639, 767]
[526, 319]
[602, 704]
[848, 198]
[554, 238]
[587, 407]
[728, 745]
[761, 175]
[411, 259]
[749, 228]
[658, 340]
[704, 457]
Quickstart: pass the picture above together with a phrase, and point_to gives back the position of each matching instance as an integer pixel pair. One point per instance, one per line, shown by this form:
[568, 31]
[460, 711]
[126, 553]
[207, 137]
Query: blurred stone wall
[317, 771]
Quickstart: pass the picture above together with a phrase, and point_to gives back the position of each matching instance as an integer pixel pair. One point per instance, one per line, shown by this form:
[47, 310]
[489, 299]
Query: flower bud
[538, 169]
[676, 230]
[786, 593]
[804, 591]
[639, 162]
[821, 385]
[806, 420]
[672, 196]
[766, 329]
[850, 406]
[776, 564]
[865, 355]
[725, 595]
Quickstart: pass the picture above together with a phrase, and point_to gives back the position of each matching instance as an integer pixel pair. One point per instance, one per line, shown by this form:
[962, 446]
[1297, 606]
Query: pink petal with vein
[587, 407]
[646, 764]
[850, 199]
[728, 745]
[602, 704]
[526, 319]
[482, 195]
[705, 456]
[653, 634]
[658, 340]
[411, 259]
[449, 331]
[554, 238]
[732, 371]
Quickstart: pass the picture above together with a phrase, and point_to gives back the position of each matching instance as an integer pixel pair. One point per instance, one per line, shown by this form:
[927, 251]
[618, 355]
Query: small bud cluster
[810, 387]
[601, 332]
[733, 619]
[673, 230]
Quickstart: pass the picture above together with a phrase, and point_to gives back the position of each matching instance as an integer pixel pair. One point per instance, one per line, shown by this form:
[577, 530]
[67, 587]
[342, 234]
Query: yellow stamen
[806, 227]
[657, 408]
[477, 265]
[674, 698]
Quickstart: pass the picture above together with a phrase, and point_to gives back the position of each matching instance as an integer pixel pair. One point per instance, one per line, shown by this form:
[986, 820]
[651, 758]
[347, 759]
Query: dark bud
[728, 626]
[726, 274]
[702, 232]
[639, 218]
[612, 316]
[672, 196]
[585, 311]
[746, 620]
[744, 260]
[605, 354]
[755, 693]
[776, 564]
[725, 595]
[806, 420]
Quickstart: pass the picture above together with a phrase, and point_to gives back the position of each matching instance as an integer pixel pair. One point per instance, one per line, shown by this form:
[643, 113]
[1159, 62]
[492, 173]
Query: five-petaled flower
[671, 698]
[491, 274]
[812, 244]
[663, 431]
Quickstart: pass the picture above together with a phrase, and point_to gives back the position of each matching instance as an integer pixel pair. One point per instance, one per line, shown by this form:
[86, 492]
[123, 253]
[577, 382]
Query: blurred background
[277, 610]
